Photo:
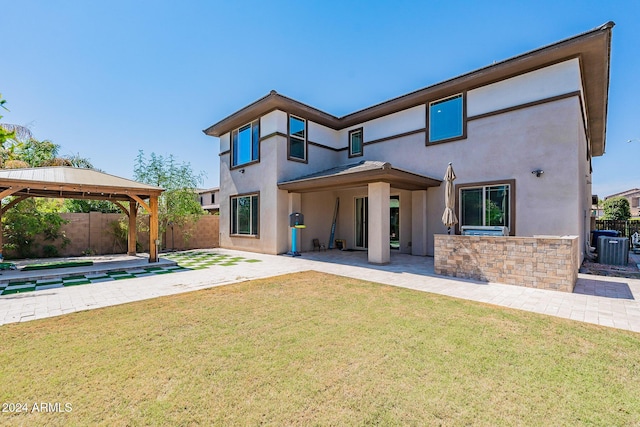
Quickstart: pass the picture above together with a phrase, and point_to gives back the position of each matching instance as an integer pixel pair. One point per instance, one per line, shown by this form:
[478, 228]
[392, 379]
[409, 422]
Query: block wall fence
[533, 262]
[94, 232]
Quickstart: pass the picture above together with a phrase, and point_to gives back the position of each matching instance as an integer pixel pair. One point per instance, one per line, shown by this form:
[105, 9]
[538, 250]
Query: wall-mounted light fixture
[538, 172]
[241, 170]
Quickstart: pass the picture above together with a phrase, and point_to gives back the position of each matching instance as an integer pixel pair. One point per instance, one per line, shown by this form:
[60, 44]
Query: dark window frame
[351, 133]
[428, 141]
[512, 200]
[254, 144]
[305, 141]
[255, 235]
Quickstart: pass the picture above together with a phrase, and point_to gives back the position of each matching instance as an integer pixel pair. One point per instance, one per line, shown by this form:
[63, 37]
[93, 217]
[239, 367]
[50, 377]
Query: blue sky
[106, 79]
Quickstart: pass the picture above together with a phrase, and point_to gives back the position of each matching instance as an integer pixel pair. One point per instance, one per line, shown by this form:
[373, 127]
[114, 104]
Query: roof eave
[272, 101]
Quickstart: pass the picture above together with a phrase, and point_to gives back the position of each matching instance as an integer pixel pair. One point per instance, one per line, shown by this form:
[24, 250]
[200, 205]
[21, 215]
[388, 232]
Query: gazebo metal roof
[74, 183]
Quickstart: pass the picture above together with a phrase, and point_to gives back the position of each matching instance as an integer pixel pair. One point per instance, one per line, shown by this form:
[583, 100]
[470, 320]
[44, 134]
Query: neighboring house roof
[62, 181]
[356, 174]
[624, 193]
[592, 48]
[208, 190]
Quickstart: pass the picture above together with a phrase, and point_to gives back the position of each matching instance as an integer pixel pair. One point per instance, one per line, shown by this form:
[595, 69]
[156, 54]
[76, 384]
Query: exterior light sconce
[538, 172]
[241, 170]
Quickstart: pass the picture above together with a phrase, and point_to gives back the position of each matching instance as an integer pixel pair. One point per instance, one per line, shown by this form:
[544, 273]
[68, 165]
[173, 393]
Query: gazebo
[79, 183]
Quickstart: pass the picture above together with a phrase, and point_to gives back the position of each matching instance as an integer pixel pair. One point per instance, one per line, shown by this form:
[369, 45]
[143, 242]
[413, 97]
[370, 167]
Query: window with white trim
[245, 144]
[486, 205]
[245, 215]
[446, 119]
[297, 138]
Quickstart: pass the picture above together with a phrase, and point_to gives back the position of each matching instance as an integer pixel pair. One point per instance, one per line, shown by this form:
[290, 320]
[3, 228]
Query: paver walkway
[607, 301]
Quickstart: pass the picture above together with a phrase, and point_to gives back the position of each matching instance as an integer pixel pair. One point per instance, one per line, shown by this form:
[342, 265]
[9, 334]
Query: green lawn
[316, 349]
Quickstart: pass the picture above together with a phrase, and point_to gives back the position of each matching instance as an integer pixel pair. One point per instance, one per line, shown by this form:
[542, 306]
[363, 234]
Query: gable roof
[592, 48]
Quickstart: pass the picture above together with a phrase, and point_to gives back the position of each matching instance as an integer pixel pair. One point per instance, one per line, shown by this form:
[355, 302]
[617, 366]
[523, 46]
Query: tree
[178, 204]
[85, 206]
[616, 208]
[28, 219]
[10, 132]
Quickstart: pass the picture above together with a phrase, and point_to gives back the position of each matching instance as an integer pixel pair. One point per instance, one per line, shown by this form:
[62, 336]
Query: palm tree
[19, 149]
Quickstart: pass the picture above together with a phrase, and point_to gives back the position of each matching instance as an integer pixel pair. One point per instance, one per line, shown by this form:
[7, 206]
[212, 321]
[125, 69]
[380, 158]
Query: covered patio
[376, 180]
[88, 184]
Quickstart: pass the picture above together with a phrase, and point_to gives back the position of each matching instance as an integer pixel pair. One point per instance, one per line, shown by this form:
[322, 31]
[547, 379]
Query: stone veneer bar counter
[534, 262]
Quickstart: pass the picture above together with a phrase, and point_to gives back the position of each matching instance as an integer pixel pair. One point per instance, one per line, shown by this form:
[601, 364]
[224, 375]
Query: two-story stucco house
[209, 199]
[543, 112]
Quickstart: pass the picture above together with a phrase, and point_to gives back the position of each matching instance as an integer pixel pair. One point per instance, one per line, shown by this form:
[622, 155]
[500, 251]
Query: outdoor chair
[635, 242]
[318, 246]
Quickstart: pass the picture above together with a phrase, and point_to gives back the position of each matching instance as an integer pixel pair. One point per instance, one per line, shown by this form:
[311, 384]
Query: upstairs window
[245, 144]
[355, 143]
[446, 119]
[213, 198]
[297, 149]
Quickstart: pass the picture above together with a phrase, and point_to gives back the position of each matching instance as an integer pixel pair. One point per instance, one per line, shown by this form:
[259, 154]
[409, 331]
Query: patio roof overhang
[358, 175]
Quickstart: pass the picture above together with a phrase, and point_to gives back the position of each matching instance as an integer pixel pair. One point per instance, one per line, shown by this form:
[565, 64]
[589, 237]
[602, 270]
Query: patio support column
[295, 205]
[133, 232]
[379, 222]
[419, 222]
[153, 229]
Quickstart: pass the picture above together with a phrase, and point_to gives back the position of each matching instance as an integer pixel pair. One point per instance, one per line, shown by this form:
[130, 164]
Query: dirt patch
[630, 270]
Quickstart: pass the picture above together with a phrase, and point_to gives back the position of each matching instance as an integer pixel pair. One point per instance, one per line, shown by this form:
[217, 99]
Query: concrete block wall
[93, 232]
[204, 234]
[534, 262]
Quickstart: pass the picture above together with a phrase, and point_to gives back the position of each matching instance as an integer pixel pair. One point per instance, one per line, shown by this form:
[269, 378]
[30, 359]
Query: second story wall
[555, 80]
[385, 138]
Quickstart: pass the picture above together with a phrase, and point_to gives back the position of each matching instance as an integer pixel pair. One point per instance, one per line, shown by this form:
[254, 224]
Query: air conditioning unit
[484, 230]
[613, 250]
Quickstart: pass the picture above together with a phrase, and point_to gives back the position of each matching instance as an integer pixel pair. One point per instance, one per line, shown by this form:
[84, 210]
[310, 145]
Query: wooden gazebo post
[153, 228]
[133, 232]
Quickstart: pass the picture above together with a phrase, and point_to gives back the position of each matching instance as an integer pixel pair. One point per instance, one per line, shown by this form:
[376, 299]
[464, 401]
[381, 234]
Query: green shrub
[616, 208]
[50, 251]
[25, 221]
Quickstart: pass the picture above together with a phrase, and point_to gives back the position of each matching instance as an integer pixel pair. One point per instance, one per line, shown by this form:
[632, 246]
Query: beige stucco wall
[510, 146]
[318, 215]
[257, 178]
[274, 235]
